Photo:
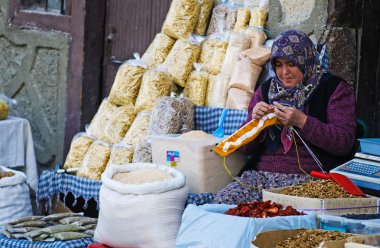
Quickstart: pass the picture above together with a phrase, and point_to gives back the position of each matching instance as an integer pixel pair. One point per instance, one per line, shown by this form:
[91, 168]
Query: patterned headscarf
[296, 47]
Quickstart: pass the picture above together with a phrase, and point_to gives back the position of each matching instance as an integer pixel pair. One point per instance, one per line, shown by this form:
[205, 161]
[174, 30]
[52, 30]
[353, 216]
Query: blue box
[370, 146]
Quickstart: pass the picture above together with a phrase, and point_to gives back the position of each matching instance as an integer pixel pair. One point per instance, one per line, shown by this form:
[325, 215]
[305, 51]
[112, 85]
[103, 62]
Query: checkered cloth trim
[200, 199]
[207, 119]
[22, 243]
[52, 183]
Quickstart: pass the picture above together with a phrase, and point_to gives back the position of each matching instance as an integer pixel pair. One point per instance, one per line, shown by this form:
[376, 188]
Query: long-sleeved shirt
[336, 137]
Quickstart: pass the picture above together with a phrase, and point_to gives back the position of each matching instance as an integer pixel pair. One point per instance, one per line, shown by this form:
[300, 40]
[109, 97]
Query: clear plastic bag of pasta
[213, 52]
[204, 16]
[155, 83]
[101, 118]
[80, 144]
[119, 123]
[218, 93]
[245, 75]
[121, 154]
[143, 151]
[187, 114]
[243, 17]
[95, 160]
[196, 85]
[182, 18]
[6, 103]
[179, 62]
[158, 50]
[238, 42]
[218, 20]
[138, 129]
[165, 117]
[127, 81]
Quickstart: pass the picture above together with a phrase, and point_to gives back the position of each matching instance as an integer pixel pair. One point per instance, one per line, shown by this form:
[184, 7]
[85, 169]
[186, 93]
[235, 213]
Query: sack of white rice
[138, 129]
[158, 50]
[101, 118]
[127, 82]
[204, 16]
[196, 85]
[181, 18]
[80, 144]
[136, 197]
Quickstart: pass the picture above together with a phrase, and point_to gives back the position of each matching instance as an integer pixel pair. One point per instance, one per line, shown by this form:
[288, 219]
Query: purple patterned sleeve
[337, 136]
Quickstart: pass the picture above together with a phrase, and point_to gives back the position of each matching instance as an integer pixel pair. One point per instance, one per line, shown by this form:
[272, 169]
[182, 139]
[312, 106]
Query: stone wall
[34, 67]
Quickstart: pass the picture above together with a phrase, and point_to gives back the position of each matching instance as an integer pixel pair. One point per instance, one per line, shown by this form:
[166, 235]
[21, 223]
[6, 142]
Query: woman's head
[294, 57]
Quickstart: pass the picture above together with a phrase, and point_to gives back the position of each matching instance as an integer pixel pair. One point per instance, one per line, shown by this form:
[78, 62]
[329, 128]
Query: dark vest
[317, 104]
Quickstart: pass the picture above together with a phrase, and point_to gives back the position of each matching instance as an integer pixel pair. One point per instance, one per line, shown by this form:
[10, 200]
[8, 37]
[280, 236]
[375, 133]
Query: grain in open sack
[141, 176]
[101, 118]
[158, 50]
[138, 129]
[204, 16]
[79, 146]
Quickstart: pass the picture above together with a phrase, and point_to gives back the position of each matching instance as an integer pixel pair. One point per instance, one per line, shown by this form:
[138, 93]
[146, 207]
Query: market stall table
[17, 149]
[23, 243]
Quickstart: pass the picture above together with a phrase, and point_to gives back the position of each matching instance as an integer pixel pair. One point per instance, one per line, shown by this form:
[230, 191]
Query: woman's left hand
[290, 116]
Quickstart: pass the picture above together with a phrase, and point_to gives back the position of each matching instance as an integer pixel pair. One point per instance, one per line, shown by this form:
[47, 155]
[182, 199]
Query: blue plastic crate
[370, 146]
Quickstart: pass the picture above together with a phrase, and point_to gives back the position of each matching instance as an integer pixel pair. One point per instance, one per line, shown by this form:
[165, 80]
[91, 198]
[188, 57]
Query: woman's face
[288, 73]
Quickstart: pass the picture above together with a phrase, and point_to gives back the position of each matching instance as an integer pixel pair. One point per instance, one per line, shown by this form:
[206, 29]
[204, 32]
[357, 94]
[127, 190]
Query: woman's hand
[260, 109]
[290, 116]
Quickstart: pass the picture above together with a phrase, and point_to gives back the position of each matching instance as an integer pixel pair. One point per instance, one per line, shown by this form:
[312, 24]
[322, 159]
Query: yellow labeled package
[196, 86]
[127, 82]
[118, 124]
[138, 129]
[179, 62]
[204, 16]
[158, 50]
[79, 146]
[213, 52]
[245, 134]
[101, 118]
[121, 154]
[181, 18]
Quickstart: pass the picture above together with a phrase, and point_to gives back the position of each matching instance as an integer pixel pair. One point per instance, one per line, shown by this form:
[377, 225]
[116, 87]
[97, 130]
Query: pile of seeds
[319, 189]
[312, 238]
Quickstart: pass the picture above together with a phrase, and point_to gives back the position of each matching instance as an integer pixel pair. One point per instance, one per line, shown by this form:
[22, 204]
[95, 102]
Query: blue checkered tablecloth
[207, 119]
[21, 243]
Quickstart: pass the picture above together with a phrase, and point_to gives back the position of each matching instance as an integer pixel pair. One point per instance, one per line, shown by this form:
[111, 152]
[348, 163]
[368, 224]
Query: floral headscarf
[296, 47]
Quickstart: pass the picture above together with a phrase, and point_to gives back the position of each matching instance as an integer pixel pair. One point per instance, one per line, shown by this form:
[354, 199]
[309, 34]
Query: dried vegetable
[187, 115]
[141, 176]
[213, 52]
[54, 227]
[143, 152]
[262, 210]
[158, 50]
[204, 16]
[4, 110]
[319, 189]
[95, 161]
[242, 19]
[238, 42]
[312, 238]
[118, 125]
[78, 149]
[155, 84]
[181, 18]
[196, 86]
[138, 129]
[121, 154]
[101, 118]
[179, 62]
[127, 82]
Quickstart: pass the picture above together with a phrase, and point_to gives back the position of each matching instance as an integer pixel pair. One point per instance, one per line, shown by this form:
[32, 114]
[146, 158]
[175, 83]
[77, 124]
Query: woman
[318, 105]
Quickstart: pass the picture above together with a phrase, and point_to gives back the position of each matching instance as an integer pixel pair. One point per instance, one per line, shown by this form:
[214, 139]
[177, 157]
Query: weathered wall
[33, 69]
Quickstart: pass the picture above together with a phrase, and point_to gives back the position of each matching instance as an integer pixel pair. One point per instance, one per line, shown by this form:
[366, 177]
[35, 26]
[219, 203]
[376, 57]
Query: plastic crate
[370, 146]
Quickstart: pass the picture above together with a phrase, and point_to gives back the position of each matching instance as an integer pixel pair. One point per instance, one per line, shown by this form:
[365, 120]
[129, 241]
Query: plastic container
[332, 222]
[371, 227]
[370, 146]
[354, 226]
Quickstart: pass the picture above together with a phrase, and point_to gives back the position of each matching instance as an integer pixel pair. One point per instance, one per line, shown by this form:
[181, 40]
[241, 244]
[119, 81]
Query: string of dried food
[101, 118]
[158, 50]
[204, 16]
[78, 148]
[138, 129]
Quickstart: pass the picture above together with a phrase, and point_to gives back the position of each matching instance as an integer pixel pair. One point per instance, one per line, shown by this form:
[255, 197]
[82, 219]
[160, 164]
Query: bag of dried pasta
[204, 16]
[196, 86]
[238, 42]
[95, 160]
[213, 52]
[158, 50]
[218, 95]
[181, 18]
[121, 154]
[143, 151]
[80, 144]
[259, 15]
[138, 129]
[245, 75]
[223, 19]
[165, 117]
[187, 114]
[101, 118]
[238, 99]
[242, 19]
[179, 62]
[155, 84]
[118, 125]
[127, 81]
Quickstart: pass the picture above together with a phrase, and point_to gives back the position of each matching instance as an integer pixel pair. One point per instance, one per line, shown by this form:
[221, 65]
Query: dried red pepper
[262, 210]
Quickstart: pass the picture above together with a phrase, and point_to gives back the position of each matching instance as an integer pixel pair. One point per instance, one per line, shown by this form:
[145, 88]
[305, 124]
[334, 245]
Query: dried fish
[72, 219]
[11, 229]
[85, 222]
[59, 216]
[34, 233]
[90, 226]
[62, 228]
[70, 235]
[41, 237]
[33, 223]
[6, 233]
[24, 219]
[90, 232]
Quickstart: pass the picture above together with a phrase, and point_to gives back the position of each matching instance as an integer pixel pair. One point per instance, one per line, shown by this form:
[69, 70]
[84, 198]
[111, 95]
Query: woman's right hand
[260, 109]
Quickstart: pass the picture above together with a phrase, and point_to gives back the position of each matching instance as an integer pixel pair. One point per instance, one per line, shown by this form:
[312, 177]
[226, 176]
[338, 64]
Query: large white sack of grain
[140, 209]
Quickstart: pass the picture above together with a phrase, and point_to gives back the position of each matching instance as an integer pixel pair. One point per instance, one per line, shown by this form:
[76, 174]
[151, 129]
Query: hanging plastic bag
[79, 146]
[213, 52]
[138, 129]
[204, 16]
[143, 151]
[242, 19]
[196, 86]
[187, 114]
[223, 18]
[158, 50]
[101, 118]
[121, 154]
[5, 104]
[259, 15]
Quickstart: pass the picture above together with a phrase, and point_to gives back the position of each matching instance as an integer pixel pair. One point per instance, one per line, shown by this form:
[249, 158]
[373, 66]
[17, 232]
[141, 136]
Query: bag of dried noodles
[121, 154]
[196, 86]
[158, 50]
[101, 118]
[213, 52]
[181, 18]
[242, 19]
[204, 16]
[138, 129]
[80, 144]
[187, 114]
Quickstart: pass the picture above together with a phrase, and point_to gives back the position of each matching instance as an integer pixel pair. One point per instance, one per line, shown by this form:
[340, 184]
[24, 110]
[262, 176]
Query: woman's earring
[318, 69]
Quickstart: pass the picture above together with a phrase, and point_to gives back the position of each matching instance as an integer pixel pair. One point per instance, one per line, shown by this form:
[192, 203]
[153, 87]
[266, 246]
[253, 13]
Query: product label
[172, 156]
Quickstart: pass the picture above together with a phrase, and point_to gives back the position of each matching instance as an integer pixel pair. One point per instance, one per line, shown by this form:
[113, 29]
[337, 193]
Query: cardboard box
[324, 206]
[195, 158]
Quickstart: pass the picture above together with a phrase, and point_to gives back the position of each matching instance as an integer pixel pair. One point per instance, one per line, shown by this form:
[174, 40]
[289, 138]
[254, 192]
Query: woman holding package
[319, 105]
